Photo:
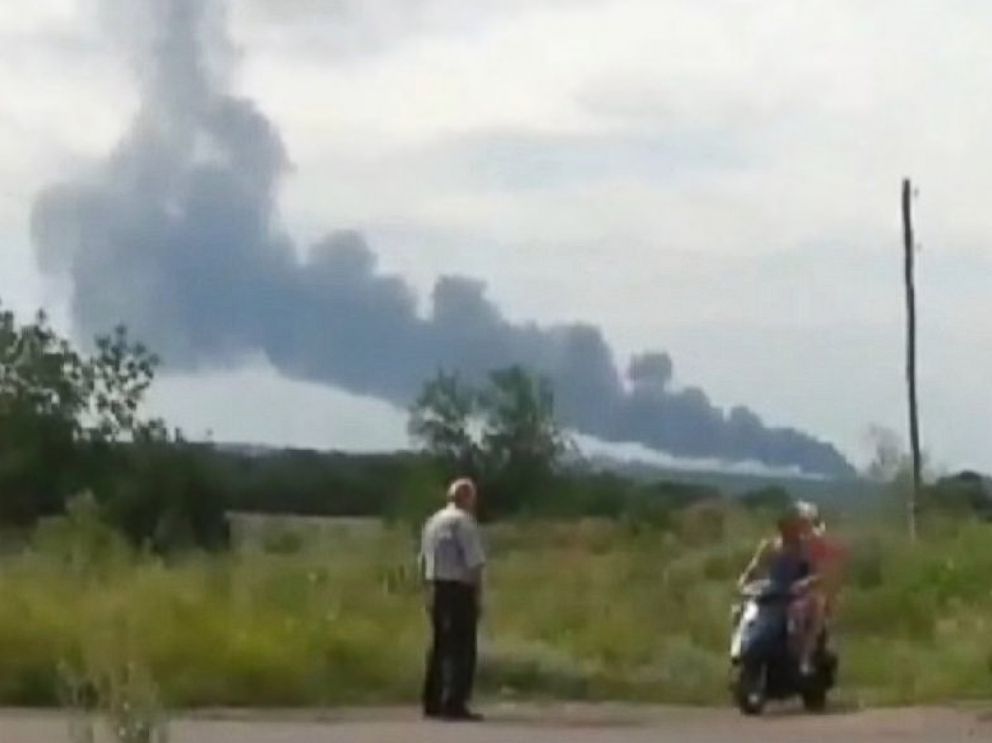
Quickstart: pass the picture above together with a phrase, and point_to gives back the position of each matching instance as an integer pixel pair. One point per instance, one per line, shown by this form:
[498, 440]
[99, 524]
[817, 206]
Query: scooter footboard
[761, 637]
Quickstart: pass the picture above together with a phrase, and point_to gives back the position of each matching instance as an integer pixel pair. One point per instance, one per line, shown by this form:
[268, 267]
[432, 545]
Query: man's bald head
[463, 494]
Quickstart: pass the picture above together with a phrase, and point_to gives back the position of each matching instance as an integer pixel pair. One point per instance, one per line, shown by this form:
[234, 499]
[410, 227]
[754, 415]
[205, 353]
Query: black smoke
[178, 235]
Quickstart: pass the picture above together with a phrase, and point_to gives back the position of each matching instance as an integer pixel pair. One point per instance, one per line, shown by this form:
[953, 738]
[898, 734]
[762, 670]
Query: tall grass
[585, 610]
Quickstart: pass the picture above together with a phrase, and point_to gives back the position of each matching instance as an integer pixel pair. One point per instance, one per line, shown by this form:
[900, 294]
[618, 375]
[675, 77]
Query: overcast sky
[718, 179]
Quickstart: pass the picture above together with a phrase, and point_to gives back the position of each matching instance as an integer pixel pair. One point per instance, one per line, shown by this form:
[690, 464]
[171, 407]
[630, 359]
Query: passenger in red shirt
[827, 557]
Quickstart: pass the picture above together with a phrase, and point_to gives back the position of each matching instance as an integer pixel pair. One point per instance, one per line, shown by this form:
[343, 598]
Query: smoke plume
[178, 235]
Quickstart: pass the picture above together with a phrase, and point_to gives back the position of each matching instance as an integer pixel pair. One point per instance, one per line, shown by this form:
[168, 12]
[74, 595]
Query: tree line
[73, 422]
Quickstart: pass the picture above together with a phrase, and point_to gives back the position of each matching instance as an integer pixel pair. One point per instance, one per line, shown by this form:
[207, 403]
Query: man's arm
[833, 566]
[422, 555]
[477, 583]
[428, 586]
[810, 581]
[757, 565]
[470, 541]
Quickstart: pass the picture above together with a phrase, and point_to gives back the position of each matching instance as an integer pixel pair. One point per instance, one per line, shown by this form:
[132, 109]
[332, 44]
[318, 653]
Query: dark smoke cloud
[178, 235]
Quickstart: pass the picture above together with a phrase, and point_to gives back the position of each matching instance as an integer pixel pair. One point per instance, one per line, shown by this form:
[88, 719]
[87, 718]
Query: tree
[42, 396]
[505, 435]
[441, 421]
[521, 440]
[94, 398]
[965, 494]
[61, 413]
[71, 422]
[117, 378]
[520, 426]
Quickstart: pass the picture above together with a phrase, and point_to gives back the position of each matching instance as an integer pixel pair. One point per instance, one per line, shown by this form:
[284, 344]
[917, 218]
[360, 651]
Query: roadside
[557, 723]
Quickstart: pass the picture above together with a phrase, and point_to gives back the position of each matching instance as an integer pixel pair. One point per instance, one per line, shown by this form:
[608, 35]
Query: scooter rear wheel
[815, 699]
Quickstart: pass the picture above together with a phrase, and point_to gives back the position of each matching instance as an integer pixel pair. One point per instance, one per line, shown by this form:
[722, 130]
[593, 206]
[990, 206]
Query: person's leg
[797, 621]
[434, 677]
[810, 628]
[813, 628]
[798, 630]
[463, 638]
[470, 647]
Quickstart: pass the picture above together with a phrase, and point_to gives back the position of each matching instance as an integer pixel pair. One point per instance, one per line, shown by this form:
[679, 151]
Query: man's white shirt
[451, 548]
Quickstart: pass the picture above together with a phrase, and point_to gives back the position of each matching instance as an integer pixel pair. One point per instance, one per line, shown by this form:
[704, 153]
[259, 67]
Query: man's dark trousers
[454, 612]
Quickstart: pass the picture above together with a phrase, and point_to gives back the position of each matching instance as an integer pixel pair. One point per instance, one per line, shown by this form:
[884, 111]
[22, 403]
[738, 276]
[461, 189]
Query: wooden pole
[914, 425]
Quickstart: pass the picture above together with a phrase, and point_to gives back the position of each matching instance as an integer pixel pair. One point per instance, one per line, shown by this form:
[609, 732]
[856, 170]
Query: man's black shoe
[433, 714]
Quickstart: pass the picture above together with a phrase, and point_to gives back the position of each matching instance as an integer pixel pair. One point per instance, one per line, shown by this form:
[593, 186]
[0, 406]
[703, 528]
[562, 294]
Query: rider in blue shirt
[784, 560]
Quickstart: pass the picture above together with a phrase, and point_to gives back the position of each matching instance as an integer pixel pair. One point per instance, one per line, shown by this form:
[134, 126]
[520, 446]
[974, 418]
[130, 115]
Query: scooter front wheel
[751, 692]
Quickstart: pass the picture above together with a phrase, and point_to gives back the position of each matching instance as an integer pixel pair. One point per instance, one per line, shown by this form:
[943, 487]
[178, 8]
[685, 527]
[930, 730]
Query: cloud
[179, 235]
[350, 28]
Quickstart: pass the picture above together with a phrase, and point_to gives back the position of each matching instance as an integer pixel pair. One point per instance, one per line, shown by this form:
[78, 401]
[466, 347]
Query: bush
[963, 494]
[530, 669]
[168, 498]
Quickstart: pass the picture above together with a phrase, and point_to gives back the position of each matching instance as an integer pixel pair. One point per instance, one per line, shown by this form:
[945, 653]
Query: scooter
[764, 660]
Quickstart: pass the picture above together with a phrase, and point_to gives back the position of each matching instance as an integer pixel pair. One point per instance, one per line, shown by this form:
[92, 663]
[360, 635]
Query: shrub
[578, 610]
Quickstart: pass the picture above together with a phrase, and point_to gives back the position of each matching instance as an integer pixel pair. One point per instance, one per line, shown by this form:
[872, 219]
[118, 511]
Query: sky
[719, 180]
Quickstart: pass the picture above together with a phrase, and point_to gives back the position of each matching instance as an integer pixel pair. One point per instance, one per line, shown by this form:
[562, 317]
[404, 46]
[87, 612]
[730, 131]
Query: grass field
[584, 610]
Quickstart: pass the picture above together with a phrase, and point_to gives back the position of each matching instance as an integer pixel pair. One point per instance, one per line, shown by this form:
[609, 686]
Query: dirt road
[558, 724]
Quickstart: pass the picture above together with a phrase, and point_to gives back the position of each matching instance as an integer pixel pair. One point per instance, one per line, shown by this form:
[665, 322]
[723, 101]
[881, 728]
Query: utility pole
[914, 425]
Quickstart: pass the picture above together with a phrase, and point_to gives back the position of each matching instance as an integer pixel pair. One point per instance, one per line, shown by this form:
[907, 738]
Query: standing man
[452, 560]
